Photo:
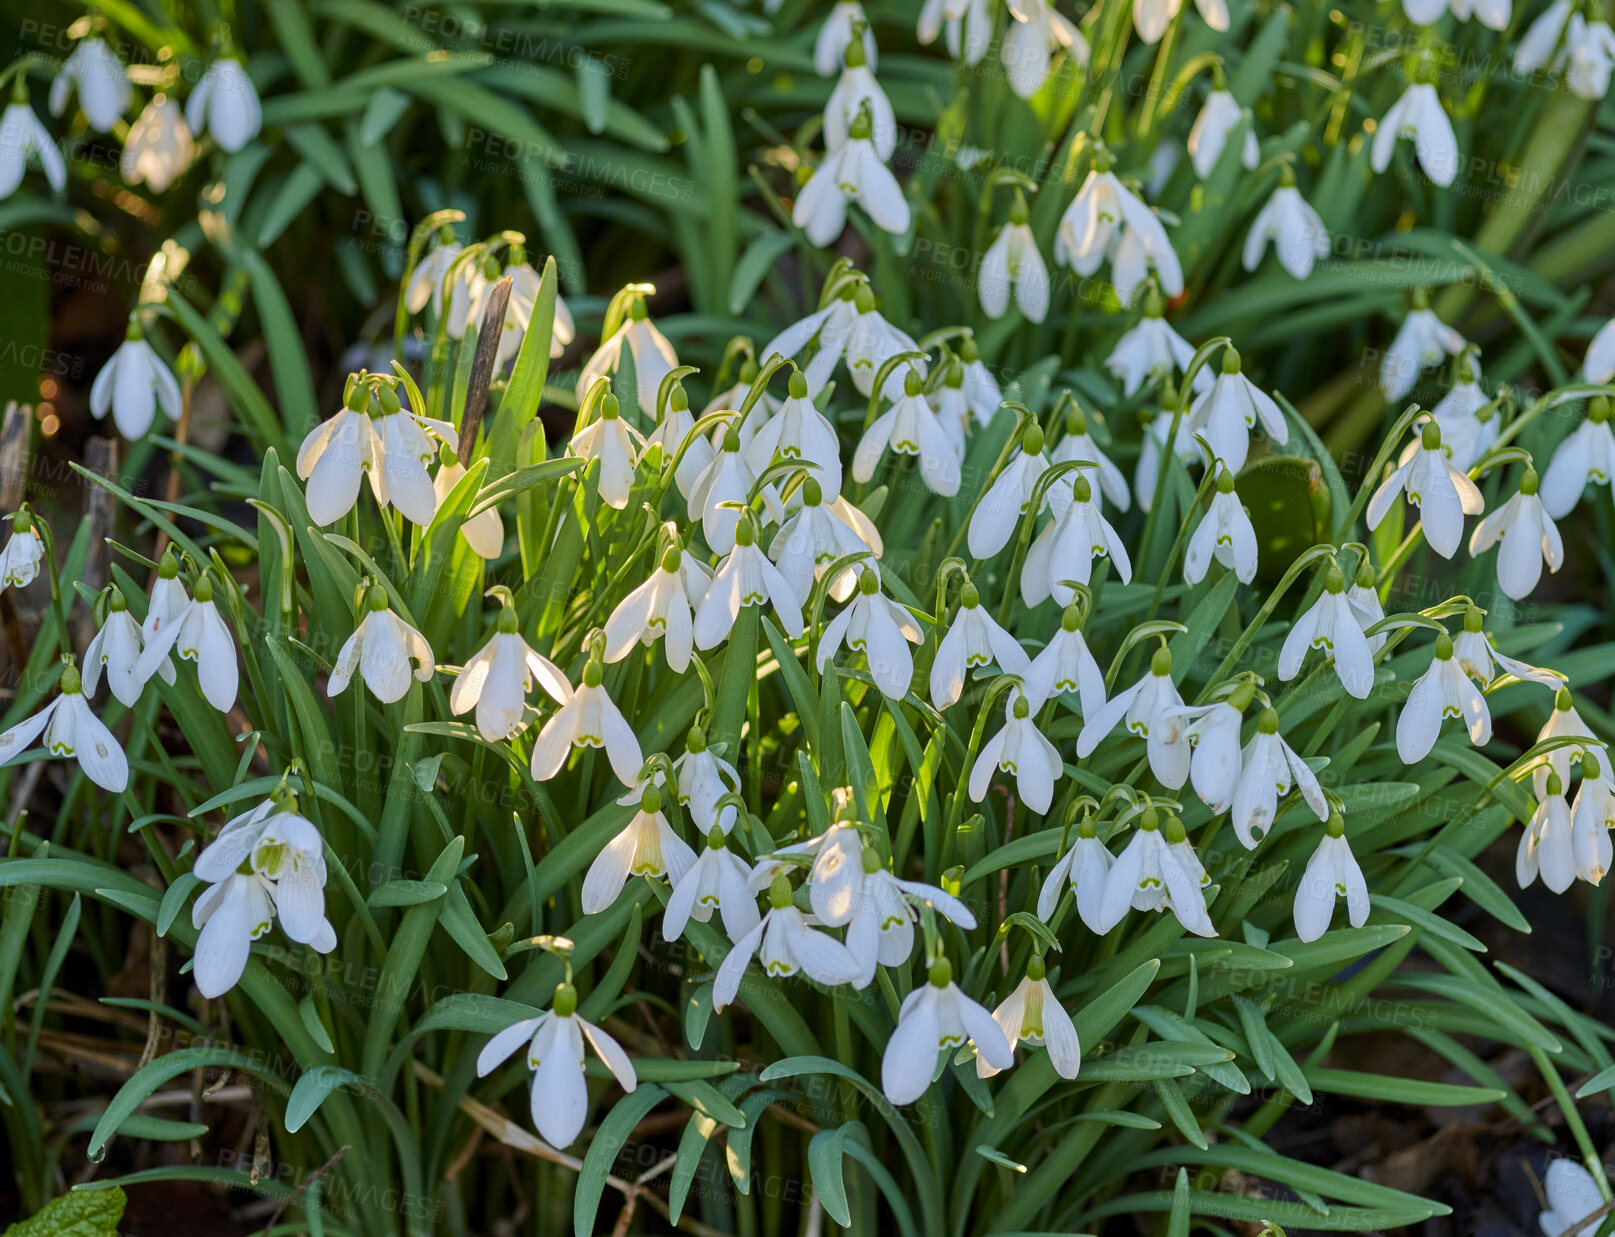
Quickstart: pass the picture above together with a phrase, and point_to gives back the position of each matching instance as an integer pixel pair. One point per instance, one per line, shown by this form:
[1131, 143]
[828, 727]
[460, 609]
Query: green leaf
[81, 1213]
[608, 1140]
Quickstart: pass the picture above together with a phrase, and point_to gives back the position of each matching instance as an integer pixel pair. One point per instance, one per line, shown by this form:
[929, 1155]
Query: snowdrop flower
[787, 945]
[1362, 599]
[1442, 691]
[1298, 235]
[225, 102]
[560, 1093]
[469, 282]
[714, 882]
[1549, 37]
[661, 606]
[974, 639]
[290, 853]
[1270, 766]
[1493, 14]
[980, 387]
[1215, 755]
[159, 147]
[1468, 426]
[394, 449]
[1419, 116]
[1157, 426]
[1158, 871]
[1077, 444]
[1152, 17]
[646, 847]
[745, 578]
[1422, 341]
[1032, 1014]
[1085, 867]
[1443, 495]
[483, 532]
[1066, 665]
[881, 931]
[426, 280]
[1573, 1195]
[1036, 33]
[495, 682]
[909, 427]
[837, 874]
[1148, 709]
[166, 606]
[1563, 723]
[1089, 226]
[524, 285]
[829, 329]
[1592, 56]
[1329, 624]
[1331, 873]
[1225, 415]
[968, 25]
[102, 82]
[704, 777]
[723, 491]
[67, 727]
[588, 718]
[1586, 457]
[936, 1016]
[198, 634]
[1063, 553]
[845, 23]
[675, 431]
[1012, 261]
[881, 630]
[1150, 346]
[1599, 363]
[386, 651]
[1133, 260]
[1592, 815]
[24, 551]
[951, 407]
[815, 535]
[1475, 655]
[1021, 750]
[799, 431]
[231, 913]
[1528, 539]
[653, 357]
[1218, 119]
[115, 649]
[856, 90]
[1224, 533]
[609, 439]
[998, 512]
[1548, 843]
[133, 385]
[851, 172]
[22, 136]
[762, 412]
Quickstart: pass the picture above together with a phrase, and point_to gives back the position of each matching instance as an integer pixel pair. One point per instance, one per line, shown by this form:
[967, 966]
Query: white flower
[230, 915]
[426, 280]
[1085, 868]
[1270, 766]
[1549, 37]
[855, 90]
[1474, 653]
[1331, 873]
[1586, 457]
[1224, 533]
[745, 578]
[1036, 33]
[1573, 1195]
[588, 718]
[71, 729]
[560, 1093]
[1494, 14]
[382, 649]
[1076, 444]
[1225, 415]
[653, 357]
[1012, 260]
[815, 535]
[952, 408]
[1215, 755]
[225, 102]
[1133, 257]
[1157, 426]
[647, 846]
[1599, 363]
[1152, 17]
[1147, 707]
[910, 427]
[167, 605]
[610, 439]
[1443, 495]
[974, 639]
[24, 551]
[851, 172]
[676, 430]
[22, 135]
[1563, 723]
[1089, 226]
[1158, 871]
[829, 328]
[1298, 235]
[1023, 751]
[1032, 1014]
[881, 930]
[115, 649]
[133, 385]
[1468, 426]
[1592, 56]
[799, 431]
[1362, 599]
[980, 387]
[1218, 119]
[1592, 815]
[1063, 553]
[158, 148]
[1442, 691]
[101, 80]
[1548, 843]
[661, 606]
[968, 25]
[1529, 539]
[1066, 665]
[198, 634]
[1331, 625]
[495, 682]
[722, 493]
[933, 1017]
[998, 512]
[524, 285]
[483, 532]
[714, 882]
[830, 47]
[1422, 341]
[395, 450]
[1150, 346]
[787, 945]
[704, 777]
[1418, 115]
[881, 630]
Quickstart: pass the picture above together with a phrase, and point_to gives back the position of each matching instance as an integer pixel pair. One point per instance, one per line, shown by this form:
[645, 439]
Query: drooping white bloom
[115, 649]
[998, 512]
[968, 25]
[1422, 341]
[1218, 119]
[981, 390]
[1157, 427]
[1548, 843]
[881, 930]
[1329, 624]
[1032, 1014]
[386, 651]
[1085, 868]
[1158, 871]
[524, 286]
[102, 82]
[1493, 14]
[166, 606]
[1592, 57]
[647, 846]
[704, 777]
[1592, 815]
[830, 48]
[1269, 767]
[1468, 426]
[1066, 665]
[817, 534]
[1564, 723]
[67, 727]
[1023, 751]
[495, 682]
[675, 432]
[851, 172]
[394, 449]
[1012, 261]
[745, 578]
[1062, 555]
[716, 881]
[787, 944]
[799, 431]
[133, 384]
[1225, 415]
[483, 532]
[933, 1017]
[1295, 229]
[225, 102]
[1419, 116]
[198, 634]
[159, 146]
[827, 329]
[611, 440]
[881, 630]
[1152, 17]
[1477, 657]
[1077, 444]
[554, 1039]
[722, 492]
[23, 136]
[974, 639]
[1033, 37]
[1147, 707]
[1528, 538]
[1331, 873]
[426, 280]
[588, 718]
[1443, 495]
[469, 283]
[1442, 691]
[1362, 599]
[1150, 346]
[1586, 457]
[1549, 37]
[661, 606]
[1089, 226]
[1134, 258]
[1215, 760]
[652, 355]
[1224, 533]
[1573, 1195]
[910, 427]
[24, 551]
[1599, 363]
[855, 90]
